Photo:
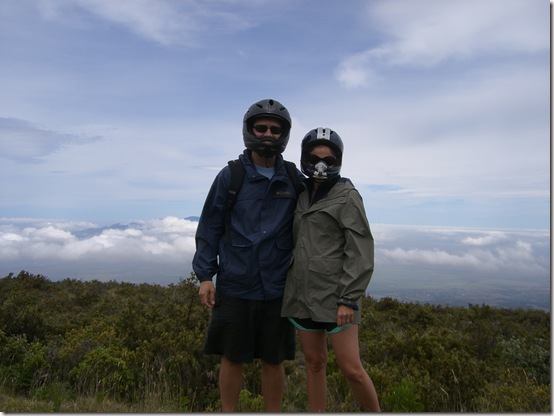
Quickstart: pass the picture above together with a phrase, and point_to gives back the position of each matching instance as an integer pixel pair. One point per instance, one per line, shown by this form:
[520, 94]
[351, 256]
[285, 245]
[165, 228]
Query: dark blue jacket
[255, 265]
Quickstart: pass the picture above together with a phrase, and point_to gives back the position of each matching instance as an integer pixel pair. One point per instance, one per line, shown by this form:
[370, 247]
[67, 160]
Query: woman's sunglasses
[262, 128]
[328, 160]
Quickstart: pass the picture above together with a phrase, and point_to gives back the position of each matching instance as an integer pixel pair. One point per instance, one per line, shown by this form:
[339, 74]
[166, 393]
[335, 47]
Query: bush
[78, 346]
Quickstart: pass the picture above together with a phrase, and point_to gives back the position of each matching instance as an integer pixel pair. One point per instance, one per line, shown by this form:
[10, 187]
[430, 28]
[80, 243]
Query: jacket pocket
[323, 276]
[236, 260]
[325, 265]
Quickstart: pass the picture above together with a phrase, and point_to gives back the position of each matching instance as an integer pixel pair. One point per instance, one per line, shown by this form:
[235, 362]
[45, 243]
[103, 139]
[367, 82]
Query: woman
[332, 267]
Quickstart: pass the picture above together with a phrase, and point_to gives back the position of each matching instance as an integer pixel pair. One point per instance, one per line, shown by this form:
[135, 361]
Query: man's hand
[207, 294]
[345, 315]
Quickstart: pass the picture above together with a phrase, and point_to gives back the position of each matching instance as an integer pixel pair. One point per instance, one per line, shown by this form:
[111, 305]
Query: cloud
[428, 32]
[465, 142]
[504, 253]
[166, 22]
[519, 257]
[168, 238]
[458, 140]
[165, 247]
[354, 71]
[442, 265]
[136, 251]
[21, 141]
[485, 240]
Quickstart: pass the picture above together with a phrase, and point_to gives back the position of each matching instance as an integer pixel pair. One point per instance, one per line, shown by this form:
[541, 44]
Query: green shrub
[74, 346]
[403, 397]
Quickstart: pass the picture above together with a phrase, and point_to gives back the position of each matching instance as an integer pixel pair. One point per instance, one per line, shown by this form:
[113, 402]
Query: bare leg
[230, 384]
[314, 346]
[273, 386]
[347, 350]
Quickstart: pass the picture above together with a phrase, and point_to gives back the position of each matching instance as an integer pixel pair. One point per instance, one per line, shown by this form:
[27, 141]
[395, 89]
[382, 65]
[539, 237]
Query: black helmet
[326, 137]
[272, 109]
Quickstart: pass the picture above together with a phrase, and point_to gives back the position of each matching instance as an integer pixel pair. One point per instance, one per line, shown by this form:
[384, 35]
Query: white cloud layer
[162, 250]
[455, 266]
[512, 254]
[136, 250]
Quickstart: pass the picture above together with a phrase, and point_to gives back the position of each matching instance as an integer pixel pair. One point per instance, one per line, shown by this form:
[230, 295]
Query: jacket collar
[322, 190]
[246, 160]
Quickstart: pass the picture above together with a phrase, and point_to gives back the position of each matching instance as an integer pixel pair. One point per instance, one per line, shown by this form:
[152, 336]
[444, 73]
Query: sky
[123, 113]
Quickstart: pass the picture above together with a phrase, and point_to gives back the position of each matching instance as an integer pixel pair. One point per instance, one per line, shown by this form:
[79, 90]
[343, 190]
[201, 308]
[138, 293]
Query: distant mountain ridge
[94, 231]
[91, 232]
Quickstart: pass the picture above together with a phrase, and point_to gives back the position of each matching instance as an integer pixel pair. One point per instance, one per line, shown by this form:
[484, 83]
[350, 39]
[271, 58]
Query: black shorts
[242, 330]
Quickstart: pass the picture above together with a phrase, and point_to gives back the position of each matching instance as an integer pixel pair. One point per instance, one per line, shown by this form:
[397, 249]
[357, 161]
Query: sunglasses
[262, 128]
[328, 160]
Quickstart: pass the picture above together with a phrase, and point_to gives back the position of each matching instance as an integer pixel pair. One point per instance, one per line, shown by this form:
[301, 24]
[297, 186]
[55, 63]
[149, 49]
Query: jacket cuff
[351, 305]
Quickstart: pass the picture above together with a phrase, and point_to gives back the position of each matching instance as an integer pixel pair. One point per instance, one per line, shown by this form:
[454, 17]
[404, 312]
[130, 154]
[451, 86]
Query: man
[250, 254]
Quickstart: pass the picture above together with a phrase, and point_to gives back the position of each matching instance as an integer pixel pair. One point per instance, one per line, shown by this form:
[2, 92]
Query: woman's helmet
[326, 137]
[272, 109]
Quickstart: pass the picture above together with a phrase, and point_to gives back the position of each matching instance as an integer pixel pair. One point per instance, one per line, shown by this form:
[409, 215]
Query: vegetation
[90, 346]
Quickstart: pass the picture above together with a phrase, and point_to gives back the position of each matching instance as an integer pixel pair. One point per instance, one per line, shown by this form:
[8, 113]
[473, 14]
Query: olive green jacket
[332, 257]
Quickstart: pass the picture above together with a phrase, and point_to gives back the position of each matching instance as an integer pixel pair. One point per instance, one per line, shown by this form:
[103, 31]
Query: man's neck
[264, 162]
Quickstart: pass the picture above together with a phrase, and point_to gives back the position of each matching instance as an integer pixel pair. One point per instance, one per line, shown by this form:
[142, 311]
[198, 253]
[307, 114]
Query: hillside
[90, 346]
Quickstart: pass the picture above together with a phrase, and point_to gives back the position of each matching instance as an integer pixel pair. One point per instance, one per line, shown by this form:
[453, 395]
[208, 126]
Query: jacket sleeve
[358, 250]
[211, 228]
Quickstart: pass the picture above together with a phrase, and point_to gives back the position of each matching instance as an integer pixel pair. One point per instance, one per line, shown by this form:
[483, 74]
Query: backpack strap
[237, 175]
[291, 170]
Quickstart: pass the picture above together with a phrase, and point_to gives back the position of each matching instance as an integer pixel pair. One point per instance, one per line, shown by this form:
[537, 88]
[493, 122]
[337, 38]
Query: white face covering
[319, 170]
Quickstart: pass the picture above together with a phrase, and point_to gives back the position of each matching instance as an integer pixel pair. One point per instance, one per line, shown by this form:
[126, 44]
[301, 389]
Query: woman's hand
[345, 315]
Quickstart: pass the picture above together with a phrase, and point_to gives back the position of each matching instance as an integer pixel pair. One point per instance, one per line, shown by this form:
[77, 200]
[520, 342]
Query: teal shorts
[307, 324]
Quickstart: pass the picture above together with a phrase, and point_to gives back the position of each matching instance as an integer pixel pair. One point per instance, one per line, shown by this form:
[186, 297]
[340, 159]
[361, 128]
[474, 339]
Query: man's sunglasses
[328, 160]
[262, 128]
